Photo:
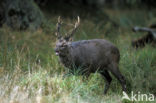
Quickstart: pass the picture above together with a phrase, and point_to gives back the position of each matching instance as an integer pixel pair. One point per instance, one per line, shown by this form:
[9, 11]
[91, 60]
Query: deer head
[63, 43]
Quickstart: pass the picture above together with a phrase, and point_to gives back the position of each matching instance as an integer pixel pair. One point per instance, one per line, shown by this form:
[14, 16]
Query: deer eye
[62, 45]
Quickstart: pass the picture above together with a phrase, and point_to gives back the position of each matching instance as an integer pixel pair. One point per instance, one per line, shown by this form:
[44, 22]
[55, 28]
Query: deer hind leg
[108, 80]
[115, 71]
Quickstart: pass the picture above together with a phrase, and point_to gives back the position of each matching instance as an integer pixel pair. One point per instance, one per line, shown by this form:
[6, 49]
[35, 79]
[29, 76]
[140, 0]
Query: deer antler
[58, 28]
[71, 33]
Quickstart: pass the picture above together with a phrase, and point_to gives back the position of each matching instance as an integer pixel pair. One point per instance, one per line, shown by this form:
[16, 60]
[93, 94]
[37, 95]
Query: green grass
[31, 73]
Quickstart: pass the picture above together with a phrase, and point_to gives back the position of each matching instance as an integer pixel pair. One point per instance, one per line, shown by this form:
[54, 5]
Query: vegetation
[31, 73]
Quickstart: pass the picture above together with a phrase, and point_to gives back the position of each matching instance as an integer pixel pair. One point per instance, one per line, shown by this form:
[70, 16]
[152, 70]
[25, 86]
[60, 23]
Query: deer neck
[67, 59]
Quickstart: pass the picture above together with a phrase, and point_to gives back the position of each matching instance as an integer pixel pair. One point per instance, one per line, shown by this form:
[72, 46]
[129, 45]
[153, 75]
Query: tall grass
[31, 73]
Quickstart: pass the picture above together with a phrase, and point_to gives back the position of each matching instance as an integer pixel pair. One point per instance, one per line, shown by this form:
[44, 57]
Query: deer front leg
[108, 80]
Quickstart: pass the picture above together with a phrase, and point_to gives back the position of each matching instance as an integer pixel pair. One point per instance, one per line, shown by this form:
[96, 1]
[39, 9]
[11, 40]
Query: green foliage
[133, 2]
[22, 15]
[30, 71]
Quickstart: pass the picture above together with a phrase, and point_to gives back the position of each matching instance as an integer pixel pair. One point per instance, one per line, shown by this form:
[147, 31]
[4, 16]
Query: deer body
[96, 53]
[91, 55]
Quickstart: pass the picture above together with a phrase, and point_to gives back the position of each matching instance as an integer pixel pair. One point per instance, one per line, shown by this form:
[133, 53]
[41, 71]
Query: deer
[95, 55]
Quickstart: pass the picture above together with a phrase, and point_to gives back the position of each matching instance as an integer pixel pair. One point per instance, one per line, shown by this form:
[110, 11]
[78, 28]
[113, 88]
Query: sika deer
[91, 55]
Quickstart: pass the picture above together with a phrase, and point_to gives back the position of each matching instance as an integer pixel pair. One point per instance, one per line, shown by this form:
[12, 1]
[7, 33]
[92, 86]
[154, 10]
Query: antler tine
[58, 25]
[74, 29]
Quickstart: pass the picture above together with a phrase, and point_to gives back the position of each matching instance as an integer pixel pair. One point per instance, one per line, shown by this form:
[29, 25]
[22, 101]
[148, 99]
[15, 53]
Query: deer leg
[115, 71]
[108, 80]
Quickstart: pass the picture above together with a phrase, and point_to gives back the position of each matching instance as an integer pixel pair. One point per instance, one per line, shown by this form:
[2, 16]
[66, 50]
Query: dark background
[24, 14]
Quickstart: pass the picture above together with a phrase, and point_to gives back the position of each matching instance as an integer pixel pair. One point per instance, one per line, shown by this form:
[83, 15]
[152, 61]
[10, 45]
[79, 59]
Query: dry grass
[30, 71]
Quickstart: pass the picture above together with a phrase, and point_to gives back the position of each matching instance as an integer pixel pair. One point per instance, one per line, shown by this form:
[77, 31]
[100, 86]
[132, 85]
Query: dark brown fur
[96, 55]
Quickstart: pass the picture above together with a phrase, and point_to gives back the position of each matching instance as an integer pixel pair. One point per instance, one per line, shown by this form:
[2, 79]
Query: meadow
[30, 71]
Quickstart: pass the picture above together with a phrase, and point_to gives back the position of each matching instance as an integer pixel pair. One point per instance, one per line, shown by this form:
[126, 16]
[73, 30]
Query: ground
[31, 73]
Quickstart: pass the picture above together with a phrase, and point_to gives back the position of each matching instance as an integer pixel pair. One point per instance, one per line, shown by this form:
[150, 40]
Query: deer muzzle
[56, 52]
